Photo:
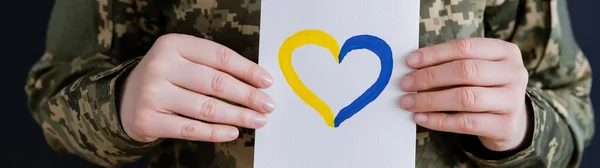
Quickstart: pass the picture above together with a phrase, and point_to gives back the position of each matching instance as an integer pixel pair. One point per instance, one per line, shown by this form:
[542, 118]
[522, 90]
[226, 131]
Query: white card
[336, 67]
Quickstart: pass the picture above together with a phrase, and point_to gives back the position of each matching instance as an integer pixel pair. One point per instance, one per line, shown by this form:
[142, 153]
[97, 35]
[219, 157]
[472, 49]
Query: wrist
[129, 98]
[126, 93]
[118, 83]
[522, 138]
[524, 133]
[527, 122]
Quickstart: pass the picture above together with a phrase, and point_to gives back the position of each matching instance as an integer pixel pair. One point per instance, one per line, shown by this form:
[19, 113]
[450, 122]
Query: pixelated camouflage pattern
[74, 88]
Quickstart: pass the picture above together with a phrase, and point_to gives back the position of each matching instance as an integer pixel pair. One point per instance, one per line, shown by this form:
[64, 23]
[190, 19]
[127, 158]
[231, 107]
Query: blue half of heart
[380, 48]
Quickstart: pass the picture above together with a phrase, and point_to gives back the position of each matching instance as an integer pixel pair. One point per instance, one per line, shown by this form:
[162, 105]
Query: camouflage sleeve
[73, 89]
[559, 86]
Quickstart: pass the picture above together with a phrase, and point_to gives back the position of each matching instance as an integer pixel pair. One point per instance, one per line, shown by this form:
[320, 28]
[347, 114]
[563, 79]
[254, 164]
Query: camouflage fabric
[74, 88]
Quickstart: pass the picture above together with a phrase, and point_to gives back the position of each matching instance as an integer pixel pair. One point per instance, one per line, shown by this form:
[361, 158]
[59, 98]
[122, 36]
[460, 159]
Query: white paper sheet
[381, 134]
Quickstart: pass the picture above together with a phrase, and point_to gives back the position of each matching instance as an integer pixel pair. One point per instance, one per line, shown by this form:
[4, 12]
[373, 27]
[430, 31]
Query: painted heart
[316, 37]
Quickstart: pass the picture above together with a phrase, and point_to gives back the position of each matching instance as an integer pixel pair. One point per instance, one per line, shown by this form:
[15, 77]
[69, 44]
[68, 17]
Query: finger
[479, 124]
[462, 72]
[177, 127]
[464, 48]
[471, 99]
[209, 109]
[219, 57]
[215, 83]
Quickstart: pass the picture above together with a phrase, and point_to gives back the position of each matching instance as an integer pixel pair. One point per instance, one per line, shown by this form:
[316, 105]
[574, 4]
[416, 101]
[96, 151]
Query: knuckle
[427, 100]
[210, 134]
[223, 55]
[523, 76]
[499, 144]
[441, 122]
[430, 77]
[187, 131]
[152, 91]
[148, 139]
[428, 55]
[153, 96]
[467, 70]
[464, 46]
[244, 117]
[514, 48]
[250, 95]
[509, 124]
[142, 122]
[250, 72]
[156, 66]
[467, 124]
[208, 109]
[217, 83]
[467, 98]
[524, 73]
[167, 40]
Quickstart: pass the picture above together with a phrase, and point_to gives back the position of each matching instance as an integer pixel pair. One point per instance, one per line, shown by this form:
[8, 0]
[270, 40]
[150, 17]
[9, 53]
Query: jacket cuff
[545, 129]
[111, 80]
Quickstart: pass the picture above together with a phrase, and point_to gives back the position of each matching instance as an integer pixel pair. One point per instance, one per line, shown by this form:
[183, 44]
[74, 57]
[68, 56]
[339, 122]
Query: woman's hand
[482, 80]
[169, 94]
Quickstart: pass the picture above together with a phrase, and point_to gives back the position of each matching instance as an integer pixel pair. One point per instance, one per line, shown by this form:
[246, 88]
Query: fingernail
[407, 82]
[232, 133]
[414, 58]
[407, 101]
[420, 118]
[266, 81]
[268, 105]
[259, 121]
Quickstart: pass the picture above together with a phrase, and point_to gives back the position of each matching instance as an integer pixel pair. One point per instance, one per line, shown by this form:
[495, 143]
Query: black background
[23, 25]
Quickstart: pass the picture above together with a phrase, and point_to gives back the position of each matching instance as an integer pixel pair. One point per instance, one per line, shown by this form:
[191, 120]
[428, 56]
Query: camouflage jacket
[73, 90]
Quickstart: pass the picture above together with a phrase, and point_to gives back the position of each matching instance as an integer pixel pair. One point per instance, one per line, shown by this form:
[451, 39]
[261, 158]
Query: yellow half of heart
[299, 39]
